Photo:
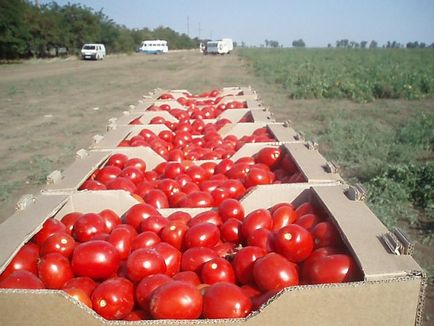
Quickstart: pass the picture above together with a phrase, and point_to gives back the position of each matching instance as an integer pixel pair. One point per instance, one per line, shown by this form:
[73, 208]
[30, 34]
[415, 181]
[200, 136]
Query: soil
[49, 109]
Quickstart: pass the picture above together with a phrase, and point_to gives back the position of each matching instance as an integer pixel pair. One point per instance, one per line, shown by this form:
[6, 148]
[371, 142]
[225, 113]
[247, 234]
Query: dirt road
[51, 108]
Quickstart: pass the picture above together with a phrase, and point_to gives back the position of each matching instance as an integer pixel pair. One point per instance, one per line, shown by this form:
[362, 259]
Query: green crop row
[361, 75]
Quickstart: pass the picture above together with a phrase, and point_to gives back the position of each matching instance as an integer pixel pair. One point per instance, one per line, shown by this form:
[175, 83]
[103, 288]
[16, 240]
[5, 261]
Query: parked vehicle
[154, 47]
[223, 46]
[93, 52]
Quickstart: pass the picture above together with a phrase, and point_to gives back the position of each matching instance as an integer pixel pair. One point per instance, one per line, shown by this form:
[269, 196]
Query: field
[52, 108]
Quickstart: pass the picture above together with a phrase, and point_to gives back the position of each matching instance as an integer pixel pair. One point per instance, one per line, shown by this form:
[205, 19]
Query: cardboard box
[282, 133]
[391, 292]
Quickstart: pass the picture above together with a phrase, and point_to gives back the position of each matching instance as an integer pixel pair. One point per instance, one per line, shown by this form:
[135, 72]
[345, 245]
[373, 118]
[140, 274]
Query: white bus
[154, 47]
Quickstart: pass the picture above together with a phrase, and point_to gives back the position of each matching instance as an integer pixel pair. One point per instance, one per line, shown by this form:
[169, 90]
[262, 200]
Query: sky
[317, 22]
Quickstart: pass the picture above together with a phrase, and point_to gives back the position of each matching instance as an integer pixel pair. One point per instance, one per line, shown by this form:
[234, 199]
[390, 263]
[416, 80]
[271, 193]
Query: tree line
[27, 30]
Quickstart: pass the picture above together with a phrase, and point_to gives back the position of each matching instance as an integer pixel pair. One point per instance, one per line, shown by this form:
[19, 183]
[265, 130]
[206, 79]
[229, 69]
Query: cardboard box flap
[283, 133]
[142, 106]
[127, 118]
[362, 231]
[261, 115]
[112, 138]
[20, 227]
[311, 163]
[234, 115]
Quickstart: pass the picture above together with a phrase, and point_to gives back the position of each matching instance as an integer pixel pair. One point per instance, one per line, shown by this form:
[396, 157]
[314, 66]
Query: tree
[298, 43]
[363, 44]
[373, 44]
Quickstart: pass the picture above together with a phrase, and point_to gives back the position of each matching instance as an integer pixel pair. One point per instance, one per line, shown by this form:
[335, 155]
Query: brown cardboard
[392, 299]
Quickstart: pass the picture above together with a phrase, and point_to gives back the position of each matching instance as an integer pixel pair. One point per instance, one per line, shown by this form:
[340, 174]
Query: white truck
[93, 52]
[223, 46]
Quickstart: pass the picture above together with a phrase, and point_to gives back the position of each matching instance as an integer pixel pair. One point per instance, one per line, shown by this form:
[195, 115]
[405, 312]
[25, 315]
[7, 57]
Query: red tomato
[188, 277]
[305, 208]
[244, 261]
[171, 256]
[147, 239]
[257, 176]
[26, 259]
[217, 270]
[113, 299]
[168, 186]
[79, 295]
[293, 242]
[197, 199]
[180, 216]
[157, 198]
[225, 300]
[269, 156]
[110, 218]
[137, 315]
[206, 217]
[137, 213]
[219, 195]
[329, 268]
[235, 187]
[96, 259]
[202, 235]
[173, 169]
[21, 279]
[173, 233]
[283, 216]
[50, 227]
[121, 238]
[86, 284]
[308, 221]
[137, 163]
[231, 208]
[61, 243]
[107, 174]
[262, 238]
[143, 262]
[194, 258]
[257, 219]
[274, 272]
[54, 270]
[325, 234]
[69, 219]
[132, 173]
[250, 290]
[154, 223]
[87, 226]
[146, 288]
[117, 160]
[121, 183]
[231, 230]
[176, 300]
[224, 166]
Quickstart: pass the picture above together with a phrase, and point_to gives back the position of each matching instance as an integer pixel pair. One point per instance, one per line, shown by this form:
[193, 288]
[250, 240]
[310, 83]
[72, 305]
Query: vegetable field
[358, 74]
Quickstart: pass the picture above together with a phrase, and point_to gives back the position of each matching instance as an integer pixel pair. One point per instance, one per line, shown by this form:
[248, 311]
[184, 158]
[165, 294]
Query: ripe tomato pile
[220, 263]
[183, 144]
[174, 184]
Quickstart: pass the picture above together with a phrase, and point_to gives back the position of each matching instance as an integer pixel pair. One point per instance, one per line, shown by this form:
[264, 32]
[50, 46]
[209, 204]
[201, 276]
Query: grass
[358, 74]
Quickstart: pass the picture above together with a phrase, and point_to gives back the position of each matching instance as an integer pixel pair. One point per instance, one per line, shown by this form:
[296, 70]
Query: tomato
[193, 258]
[250, 290]
[294, 242]
[225, 300]
[176, 300]
[117, 160]
[137, 163]
[173, 233]
[231, 230]
[21, 279]
[168, 186]
[86, 284]
[61, 243]
[69, 219]
[180, 216]
[110, 218]
[209, 216]
[113, 299]
[305, 208]
[121, 183]
[171, 256]
[219, 195]
[147, 239]
[235, 187]
[146, 288]
[137, 315]
[257, 219]
[143, 262]
[132, 173]
[262, 238]
[244, 261]
[217, 270]
[107, 174]
[188, 277]
[283, 216]
[269, 156]
[329, 268]
[224, 166]
[92, 185]
[96, 259]
[190, 187]
[87, 226]
[79, 295]
[54, 270]
[26, 259]
[202, 235]
[197, 199]
[231, 208]
[157, 198]
[137, 213]
[325, 234]
[50, 227]
[257, 176]
[274, 272]
[308, 221]
[172, 169]
[121, 238]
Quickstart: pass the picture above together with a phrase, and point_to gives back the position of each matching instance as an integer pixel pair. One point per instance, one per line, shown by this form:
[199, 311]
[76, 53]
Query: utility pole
[188, 26]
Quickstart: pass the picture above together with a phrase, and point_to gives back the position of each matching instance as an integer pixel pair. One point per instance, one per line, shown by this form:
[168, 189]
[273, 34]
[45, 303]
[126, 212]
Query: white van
[93, 52]
[223, 46]
[154, 47]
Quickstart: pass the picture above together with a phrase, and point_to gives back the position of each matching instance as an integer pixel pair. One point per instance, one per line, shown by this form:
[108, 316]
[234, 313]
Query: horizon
[253, 22]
